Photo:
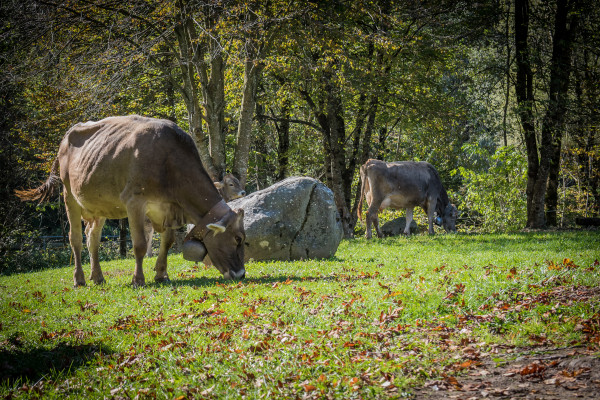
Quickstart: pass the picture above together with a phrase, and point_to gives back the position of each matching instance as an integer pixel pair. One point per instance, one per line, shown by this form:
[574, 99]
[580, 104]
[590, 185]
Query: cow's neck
[442, 202]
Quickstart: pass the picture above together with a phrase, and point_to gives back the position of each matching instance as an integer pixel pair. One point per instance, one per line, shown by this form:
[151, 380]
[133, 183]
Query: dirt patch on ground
[565, 373]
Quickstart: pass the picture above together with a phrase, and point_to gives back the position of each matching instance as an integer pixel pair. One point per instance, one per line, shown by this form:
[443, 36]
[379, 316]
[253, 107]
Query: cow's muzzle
[241, 274]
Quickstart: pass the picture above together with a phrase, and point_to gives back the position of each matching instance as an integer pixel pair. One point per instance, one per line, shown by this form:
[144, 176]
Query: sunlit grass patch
[373, 321]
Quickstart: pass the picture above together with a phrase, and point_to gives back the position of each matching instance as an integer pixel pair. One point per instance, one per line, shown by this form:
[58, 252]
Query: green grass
[377, 319]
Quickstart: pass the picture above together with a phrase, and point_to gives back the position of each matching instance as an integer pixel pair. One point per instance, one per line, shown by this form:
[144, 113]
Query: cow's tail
[363, 178]
[45, 191]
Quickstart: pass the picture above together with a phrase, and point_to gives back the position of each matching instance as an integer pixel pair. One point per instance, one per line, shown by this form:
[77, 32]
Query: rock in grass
[396, 226]
[291, 220]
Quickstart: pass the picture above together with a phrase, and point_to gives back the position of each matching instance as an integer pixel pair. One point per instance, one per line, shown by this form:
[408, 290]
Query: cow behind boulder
[405, 184]
[230, 188]
[140, 168]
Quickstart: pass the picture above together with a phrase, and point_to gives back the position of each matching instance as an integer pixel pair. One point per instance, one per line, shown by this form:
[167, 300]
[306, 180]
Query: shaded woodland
[502, 97]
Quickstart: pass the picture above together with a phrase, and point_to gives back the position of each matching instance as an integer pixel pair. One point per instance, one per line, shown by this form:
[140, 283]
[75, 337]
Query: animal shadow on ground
[264, 279]
[22, 365]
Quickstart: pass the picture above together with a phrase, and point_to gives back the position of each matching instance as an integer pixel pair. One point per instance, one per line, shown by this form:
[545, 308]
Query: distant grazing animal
[139, 168]
[230, 188]
[405, 184]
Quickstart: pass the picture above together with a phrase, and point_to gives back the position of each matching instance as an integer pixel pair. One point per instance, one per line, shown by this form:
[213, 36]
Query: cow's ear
[216, 228]
[218, 185]
[239, 218]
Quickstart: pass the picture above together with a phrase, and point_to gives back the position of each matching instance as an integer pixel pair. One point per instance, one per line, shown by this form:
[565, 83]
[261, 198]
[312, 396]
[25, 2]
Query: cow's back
[403, 184]
[105, 163]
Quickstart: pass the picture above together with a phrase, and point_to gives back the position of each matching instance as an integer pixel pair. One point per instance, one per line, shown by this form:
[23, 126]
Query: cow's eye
[238, 240]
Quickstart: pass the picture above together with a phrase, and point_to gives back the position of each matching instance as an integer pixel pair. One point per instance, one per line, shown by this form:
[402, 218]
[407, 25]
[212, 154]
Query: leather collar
[216, 213]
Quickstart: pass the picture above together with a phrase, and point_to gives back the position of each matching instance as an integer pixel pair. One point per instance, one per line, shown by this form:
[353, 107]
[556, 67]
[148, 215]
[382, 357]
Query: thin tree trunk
[252, 73]
[507, 94]
[213, 96]
[189, 91]
[524, 95]
[554, 121]
[283, 147]
[123, 237]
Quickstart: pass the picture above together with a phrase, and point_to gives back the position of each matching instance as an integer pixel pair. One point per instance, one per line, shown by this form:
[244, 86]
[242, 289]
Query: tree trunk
[554, 122]
[123, 237]
[508, 78]
[341, 186]
[252, 73]
[188, 52]
[213, 101]
[283, 147]
[524, 95]
[330, 118]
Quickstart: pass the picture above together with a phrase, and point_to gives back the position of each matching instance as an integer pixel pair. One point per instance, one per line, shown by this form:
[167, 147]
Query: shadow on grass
[207, 282]
[20, 366]
[479, 239]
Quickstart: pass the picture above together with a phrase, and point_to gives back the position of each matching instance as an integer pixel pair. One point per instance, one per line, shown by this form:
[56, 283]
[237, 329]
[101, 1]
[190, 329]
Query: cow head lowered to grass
[142, 169]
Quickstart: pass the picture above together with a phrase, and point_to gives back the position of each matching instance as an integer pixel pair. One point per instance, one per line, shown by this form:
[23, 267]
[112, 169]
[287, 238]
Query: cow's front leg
[409, 219]
[148, 233]
[93, 231]
[166, 241]
[431, 215]
[376, 225]
[135, 214]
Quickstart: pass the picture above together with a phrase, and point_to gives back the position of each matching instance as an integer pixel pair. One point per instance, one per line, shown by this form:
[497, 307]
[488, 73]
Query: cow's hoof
[138, 283]
[98, 281]
[162, 279]
[79, 284]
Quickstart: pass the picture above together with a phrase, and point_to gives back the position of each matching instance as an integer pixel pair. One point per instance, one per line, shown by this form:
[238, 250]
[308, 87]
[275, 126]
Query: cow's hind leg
[373, 218]
[409, 218]
[166, 241]
[136, 217]
[75, 236]
[93, 230]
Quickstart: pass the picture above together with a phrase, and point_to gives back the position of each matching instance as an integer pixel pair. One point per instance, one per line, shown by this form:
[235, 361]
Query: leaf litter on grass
[330, 329]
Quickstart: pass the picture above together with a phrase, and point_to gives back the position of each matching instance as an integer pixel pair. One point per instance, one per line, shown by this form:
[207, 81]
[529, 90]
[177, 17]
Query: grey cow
[405, 184]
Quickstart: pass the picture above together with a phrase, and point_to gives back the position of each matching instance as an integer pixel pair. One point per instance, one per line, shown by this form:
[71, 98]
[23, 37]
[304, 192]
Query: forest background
[502, 97]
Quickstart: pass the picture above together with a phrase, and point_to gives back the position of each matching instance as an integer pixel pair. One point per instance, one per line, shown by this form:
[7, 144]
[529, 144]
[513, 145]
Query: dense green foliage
[494, 187]
[270, 90]
[373, 322]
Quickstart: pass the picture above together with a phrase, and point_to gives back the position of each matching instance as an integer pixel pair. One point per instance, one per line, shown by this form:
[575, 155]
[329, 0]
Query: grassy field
[377, 320]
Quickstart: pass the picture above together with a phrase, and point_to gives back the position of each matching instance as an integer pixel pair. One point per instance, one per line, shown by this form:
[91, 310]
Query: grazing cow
[141, 168]
[230, 188]
[405, 184]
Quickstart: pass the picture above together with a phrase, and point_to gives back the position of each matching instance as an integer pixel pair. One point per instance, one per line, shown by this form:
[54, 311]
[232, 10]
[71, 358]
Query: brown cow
[405, 184]
[140, 167]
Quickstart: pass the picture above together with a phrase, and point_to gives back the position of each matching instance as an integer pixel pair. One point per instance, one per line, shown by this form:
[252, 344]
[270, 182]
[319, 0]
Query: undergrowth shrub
[494, 187]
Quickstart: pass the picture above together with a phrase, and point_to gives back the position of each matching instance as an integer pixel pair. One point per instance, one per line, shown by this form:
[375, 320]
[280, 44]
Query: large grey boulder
[291, 220]
[396, 226]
